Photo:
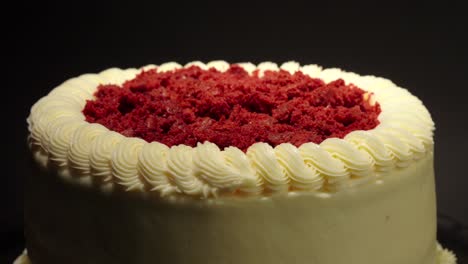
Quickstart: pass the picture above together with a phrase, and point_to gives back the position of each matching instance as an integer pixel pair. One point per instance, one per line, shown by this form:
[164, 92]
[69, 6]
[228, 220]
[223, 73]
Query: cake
[231, 163]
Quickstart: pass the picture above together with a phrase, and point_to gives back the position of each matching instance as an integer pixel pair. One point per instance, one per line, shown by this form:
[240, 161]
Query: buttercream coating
[101, 151]
[386, 222]
[153, 172]
[444, 256]
[302, 177]
[124, 163]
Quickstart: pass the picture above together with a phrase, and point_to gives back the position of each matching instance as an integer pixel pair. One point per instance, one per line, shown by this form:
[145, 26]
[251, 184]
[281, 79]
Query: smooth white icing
[389, 221]
[444, 256]
[58, 132]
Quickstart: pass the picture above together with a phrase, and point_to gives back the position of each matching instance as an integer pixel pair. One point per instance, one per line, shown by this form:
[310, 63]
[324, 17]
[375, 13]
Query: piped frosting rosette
[61, 136]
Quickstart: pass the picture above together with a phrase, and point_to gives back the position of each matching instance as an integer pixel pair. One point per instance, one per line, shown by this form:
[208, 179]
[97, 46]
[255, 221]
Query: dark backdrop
[419, 47]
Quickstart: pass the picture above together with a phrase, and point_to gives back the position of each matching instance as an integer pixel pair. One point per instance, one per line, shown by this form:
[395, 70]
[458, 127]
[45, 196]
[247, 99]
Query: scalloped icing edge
[57, 125]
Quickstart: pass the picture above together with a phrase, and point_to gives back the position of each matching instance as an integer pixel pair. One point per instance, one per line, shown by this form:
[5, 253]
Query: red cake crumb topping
[231, 108]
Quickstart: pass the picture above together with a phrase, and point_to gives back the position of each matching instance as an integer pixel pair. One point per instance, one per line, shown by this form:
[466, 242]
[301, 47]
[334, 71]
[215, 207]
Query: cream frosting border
[61, 137]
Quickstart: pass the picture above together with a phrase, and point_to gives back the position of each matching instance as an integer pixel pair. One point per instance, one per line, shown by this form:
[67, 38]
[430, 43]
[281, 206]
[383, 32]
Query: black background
[421, 47]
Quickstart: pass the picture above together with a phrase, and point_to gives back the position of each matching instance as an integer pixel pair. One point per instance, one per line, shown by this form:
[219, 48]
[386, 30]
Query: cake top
[231, 108]
[63, 140]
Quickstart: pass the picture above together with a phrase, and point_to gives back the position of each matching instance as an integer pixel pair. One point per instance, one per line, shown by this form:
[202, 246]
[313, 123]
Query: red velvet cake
[231, 163]
[231, 108]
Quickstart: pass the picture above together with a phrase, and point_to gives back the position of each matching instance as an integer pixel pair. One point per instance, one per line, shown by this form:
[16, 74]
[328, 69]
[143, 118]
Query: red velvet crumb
[231, 108]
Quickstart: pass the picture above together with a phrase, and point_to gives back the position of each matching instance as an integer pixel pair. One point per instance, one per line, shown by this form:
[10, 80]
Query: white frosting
[311, 69]
[124, 161]
[199, 64]
[266, 66]
[80, 148]
[291, 67]
[267, 167]
[219, 65]
[168, 66]
[444, 256]
[101, 151]
[331, 169]
[209, 165]
[59, 133]
[248, 67]
[302, 177]
[389, 221]
[154, 173]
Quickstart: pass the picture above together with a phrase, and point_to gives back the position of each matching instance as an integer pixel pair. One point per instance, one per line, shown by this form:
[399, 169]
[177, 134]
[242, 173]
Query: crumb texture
[231, 108]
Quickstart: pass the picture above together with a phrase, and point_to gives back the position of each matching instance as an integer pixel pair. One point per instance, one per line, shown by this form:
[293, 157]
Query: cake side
[389, 221]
